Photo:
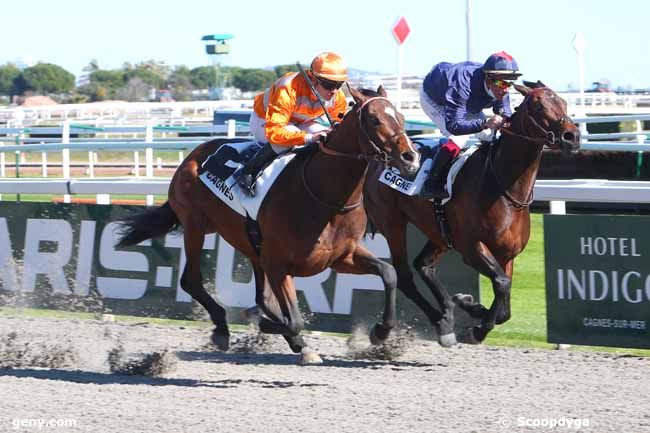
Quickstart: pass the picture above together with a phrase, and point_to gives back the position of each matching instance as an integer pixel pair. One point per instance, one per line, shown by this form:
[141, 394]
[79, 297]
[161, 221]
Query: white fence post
[44, 164]
[3, 172]
[91, 164]
[558, 207]
[148, 155]
[232, 128]
[136, 164]
[65, 155]
[639, 128]
[3, 163]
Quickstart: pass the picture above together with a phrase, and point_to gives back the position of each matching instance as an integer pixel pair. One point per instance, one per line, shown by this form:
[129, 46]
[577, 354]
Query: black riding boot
[434, 185]
[246, 175]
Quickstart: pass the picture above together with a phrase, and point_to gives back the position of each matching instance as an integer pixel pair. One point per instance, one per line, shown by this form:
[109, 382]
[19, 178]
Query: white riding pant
[257, 129]
[436, 113]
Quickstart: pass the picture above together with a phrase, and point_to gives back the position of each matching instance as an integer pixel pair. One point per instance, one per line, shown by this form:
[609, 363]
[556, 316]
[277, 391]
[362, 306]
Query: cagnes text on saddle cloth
[392, 178]
[220, 166]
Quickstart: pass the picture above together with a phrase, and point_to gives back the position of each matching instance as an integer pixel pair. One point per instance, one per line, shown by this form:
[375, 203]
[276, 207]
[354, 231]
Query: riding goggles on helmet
[330, 85]
[502, 84]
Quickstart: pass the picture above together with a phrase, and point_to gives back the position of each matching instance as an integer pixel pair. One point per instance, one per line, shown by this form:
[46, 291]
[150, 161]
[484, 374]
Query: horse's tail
[152, 222]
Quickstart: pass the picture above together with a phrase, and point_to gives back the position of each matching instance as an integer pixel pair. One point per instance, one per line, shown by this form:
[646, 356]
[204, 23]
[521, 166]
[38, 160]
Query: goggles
[330, 85]
[502, 84]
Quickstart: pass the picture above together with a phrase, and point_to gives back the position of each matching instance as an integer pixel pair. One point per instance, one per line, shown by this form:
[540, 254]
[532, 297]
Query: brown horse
[310, 220]
[488, 214]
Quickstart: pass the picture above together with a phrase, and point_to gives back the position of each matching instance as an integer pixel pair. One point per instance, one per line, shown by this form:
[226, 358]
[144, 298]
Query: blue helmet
[501, 66]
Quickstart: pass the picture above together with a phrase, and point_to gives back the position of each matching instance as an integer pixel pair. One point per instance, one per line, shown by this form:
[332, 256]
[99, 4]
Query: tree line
[131, 82]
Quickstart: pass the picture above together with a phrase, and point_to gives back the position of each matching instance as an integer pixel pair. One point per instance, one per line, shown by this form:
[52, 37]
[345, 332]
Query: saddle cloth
[428, 149]
[229, 157]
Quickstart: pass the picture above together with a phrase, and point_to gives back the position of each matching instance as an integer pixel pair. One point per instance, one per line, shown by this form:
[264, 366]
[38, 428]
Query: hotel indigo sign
[598, 280]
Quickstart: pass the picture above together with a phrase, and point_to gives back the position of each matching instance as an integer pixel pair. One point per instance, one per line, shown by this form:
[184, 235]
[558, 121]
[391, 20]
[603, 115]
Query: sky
[539, 34]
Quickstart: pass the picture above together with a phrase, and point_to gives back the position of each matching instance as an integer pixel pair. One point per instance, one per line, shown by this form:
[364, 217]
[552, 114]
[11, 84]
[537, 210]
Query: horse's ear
[358, 96]
[522, 89]
[534, 85]
[382, 91]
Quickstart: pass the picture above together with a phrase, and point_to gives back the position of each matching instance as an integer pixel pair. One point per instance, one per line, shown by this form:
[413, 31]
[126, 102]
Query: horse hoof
[479, 333]
[462, 298]
[468, 338]
[448, 340]
[378, 334]
[309, 357]
[251, 314]
[221, 341]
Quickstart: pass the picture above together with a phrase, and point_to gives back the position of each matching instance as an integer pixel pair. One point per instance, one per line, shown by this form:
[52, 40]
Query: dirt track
[257, 387]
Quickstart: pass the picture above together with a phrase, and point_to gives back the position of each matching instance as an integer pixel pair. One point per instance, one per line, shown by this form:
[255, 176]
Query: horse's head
[542, 116]
[382, 134]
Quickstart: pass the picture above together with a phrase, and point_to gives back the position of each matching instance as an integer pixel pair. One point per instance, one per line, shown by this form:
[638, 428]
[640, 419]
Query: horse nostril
[410, 157]
[569, 137]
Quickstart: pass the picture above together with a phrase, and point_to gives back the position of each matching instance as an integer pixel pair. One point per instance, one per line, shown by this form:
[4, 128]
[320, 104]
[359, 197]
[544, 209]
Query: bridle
[376, 153]
[549, 138]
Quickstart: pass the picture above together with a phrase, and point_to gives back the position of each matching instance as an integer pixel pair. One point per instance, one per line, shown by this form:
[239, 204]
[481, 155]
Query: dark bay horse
[488, 214]
[311, 219]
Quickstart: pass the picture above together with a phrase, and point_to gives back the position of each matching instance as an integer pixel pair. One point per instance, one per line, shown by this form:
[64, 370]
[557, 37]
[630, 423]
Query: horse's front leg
[268, 314]
[287, 319]
[362, 261]
[482, 260]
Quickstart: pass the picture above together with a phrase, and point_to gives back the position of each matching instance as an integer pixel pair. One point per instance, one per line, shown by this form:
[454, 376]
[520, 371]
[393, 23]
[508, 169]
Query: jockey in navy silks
[454, 96]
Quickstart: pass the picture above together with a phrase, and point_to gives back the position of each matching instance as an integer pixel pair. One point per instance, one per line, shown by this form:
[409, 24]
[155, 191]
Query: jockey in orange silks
[287, 114]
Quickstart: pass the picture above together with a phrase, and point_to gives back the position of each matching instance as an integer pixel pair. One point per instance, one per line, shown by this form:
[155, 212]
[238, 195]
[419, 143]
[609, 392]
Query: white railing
[146, 143]
[576, 190]
[144, 138]
[117, 112]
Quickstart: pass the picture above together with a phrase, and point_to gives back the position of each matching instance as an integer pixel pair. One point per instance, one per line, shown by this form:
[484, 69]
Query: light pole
[217, 47]
[579, 46]
[468, 28]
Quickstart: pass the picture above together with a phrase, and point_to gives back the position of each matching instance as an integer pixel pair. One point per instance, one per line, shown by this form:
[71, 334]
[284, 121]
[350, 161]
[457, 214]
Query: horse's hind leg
[362, 262]
[192, 283]
[425, 264]
[396, 238]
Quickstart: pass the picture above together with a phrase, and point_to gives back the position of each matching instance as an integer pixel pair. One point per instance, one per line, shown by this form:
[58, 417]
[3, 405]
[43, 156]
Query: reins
[335, 207]
[376, 154]
[514, 201]
[549, 138]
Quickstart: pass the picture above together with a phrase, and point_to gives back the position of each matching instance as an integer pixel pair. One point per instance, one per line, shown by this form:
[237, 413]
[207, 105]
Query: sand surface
[57, 370]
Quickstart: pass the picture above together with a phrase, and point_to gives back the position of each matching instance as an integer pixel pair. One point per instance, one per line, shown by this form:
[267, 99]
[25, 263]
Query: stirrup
[437, 194]
[246, 182]
[434, 189]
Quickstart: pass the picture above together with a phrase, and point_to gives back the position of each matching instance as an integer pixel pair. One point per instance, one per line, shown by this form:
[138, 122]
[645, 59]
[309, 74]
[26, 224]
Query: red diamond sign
[401, 30]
